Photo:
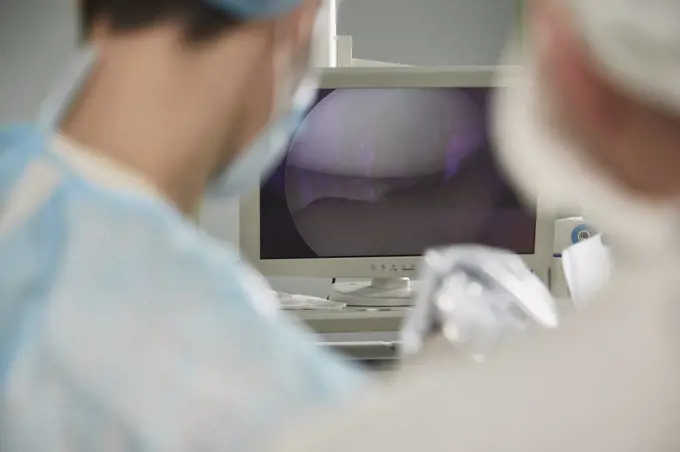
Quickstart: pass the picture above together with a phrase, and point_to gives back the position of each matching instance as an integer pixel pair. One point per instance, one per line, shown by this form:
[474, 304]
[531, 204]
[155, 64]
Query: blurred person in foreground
[122, 326]
[591, 119]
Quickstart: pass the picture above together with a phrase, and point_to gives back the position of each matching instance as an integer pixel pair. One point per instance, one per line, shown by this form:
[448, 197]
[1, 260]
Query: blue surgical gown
[125, 328]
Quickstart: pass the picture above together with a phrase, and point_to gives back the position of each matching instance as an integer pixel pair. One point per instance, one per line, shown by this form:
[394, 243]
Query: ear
[304, 19]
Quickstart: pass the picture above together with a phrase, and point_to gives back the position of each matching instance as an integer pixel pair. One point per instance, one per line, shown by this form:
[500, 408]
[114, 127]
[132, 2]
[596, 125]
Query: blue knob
[580, 233]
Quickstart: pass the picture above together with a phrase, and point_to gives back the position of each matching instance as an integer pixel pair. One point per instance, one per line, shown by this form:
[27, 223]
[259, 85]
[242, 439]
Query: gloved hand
[475, 296]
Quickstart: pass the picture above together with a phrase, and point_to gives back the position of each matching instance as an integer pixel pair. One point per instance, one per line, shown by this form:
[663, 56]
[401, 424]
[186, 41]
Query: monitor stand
[376, 293]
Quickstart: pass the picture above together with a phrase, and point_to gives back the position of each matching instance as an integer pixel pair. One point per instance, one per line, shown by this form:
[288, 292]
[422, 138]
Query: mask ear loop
[60, 99]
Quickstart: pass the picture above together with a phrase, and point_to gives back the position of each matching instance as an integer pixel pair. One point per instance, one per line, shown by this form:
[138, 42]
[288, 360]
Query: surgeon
[591, 119]
[122, 326]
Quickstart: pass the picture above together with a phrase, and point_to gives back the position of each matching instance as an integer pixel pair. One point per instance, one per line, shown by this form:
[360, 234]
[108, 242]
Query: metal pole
[327, 54]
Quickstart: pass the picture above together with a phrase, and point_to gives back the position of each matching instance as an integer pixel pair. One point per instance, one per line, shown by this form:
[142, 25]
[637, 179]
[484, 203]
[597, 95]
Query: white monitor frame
[381, 267]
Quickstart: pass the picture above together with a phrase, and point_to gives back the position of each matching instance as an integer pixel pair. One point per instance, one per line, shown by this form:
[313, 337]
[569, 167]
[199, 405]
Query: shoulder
[141, 252]
[585, 383]
[166, 326]
[141, 272]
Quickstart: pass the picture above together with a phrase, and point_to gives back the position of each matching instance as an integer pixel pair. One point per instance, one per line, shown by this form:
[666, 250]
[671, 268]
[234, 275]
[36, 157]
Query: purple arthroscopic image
[391, 172]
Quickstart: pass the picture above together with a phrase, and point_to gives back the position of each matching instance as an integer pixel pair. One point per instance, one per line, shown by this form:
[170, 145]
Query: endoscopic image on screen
[391, 172]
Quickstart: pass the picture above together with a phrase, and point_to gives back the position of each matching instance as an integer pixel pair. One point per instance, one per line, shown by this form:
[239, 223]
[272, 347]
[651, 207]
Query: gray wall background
[37, 36]
[428, 32]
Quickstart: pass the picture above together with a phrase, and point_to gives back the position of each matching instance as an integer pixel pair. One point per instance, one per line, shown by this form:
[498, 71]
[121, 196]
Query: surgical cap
[636, 43]
[255, 9]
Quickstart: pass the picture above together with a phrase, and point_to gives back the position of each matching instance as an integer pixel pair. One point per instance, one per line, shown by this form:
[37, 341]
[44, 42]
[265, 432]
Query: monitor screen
[391, 172]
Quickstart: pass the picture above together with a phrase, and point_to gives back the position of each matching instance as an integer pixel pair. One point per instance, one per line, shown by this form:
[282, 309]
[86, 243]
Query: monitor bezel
[372, 267]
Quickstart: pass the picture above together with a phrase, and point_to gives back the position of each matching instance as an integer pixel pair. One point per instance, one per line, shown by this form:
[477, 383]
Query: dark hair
[200, 20]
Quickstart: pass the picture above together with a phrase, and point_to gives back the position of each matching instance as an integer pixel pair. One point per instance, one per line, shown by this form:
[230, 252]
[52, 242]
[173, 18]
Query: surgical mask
[294, 94]
[636, 45]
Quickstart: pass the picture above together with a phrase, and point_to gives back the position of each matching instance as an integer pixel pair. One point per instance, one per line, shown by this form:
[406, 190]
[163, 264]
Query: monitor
[387, 163]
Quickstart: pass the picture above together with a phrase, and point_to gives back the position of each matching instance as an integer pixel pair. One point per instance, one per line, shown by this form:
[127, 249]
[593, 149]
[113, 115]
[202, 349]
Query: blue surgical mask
[256, 162]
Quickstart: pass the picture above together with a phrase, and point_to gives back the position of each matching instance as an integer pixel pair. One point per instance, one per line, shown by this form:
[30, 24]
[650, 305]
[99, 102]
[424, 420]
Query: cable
[328, 297]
